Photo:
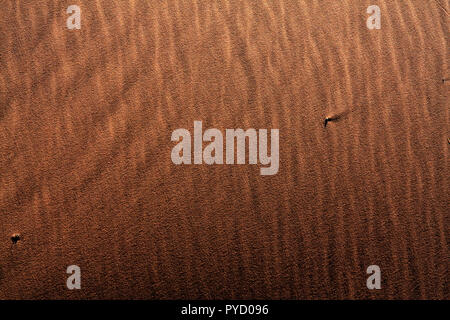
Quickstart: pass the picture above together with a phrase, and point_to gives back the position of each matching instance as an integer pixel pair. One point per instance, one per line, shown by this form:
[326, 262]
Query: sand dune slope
[86, 176]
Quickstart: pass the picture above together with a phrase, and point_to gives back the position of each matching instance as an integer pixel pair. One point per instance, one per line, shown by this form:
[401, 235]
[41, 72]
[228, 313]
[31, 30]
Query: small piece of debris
[15, 238]
[337, 116]
[328, 119]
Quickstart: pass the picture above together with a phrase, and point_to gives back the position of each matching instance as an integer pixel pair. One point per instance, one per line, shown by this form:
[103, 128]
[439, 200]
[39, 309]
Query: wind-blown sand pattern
[86, 176]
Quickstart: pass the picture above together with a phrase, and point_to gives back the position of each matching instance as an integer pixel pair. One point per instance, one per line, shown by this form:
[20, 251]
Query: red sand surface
[86, 176]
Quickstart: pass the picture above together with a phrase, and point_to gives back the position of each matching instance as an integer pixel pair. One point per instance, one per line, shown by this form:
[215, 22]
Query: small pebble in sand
[15, 238]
